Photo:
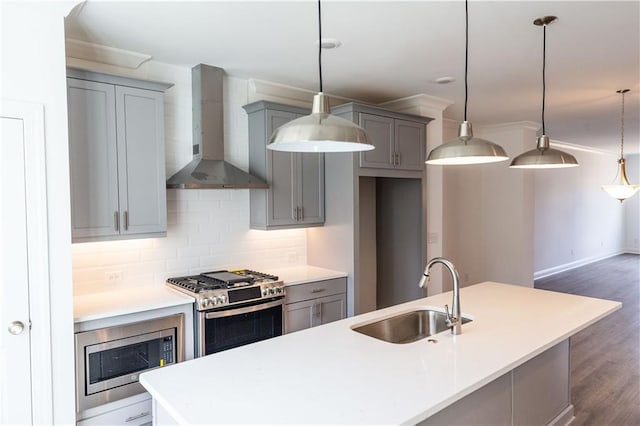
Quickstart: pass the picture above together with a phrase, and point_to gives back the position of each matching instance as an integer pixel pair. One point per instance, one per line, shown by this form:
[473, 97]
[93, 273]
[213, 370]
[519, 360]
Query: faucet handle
[451, 320]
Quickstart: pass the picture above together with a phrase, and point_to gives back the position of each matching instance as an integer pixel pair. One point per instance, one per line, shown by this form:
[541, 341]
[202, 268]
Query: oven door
[238, 326]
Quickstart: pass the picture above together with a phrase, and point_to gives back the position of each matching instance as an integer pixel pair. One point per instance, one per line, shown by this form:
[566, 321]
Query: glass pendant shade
[320, 132]
[466, 149]
[543, 157]
[623, 189]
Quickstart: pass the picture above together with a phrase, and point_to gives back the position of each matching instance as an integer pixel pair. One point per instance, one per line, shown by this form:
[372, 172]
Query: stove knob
[272, 290]
[223, 298]
[280, 290]
[206, 302]
[265, 291]
[219, 300]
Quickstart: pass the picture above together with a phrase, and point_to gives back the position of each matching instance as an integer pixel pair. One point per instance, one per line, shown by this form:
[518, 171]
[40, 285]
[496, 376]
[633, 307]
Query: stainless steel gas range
[233, 308]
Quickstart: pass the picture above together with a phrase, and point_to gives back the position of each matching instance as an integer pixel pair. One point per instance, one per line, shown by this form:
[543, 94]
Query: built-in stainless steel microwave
[109, 360]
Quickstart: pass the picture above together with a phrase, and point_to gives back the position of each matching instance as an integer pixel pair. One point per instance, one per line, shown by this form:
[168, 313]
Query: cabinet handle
[393, 158]
[398, 159]
[137, 416]
[301, 213]
[116, 220]
[318, 290]
[126, 220]
[294, 213]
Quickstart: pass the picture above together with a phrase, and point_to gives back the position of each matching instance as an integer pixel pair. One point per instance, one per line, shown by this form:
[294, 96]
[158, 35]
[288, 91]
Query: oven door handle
[245, 310]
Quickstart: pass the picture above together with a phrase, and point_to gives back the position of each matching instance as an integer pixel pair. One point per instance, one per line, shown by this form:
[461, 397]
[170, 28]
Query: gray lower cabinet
[295, 197]
[315, 303]
[116, 155]
[399, 139]
[535, 393]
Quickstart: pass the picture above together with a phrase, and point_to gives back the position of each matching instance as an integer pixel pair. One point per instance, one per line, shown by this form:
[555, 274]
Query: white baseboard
[572, 265]
[632, 251]
[564, 418]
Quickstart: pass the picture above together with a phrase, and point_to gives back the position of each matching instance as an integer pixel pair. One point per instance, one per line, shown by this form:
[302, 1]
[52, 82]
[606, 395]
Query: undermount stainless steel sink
[407, 327]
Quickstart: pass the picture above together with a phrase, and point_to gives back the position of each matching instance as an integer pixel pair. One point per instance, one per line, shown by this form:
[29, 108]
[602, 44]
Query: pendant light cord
[622, 129]
[466, 56]
[544, 68]
[320, 44]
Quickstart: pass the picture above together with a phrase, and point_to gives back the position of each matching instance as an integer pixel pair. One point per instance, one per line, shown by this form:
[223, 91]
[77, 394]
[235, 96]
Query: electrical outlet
[113, 276]
[432, 238]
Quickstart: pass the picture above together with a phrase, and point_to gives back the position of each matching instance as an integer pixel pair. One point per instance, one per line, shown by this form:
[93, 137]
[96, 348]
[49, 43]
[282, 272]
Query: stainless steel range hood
[208, 170]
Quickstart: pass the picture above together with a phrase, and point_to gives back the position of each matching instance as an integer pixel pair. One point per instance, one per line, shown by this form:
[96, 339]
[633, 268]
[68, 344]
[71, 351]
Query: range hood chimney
[208, 170]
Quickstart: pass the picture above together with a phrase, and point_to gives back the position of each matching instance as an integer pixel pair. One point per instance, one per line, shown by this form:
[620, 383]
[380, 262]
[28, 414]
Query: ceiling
[393, 49]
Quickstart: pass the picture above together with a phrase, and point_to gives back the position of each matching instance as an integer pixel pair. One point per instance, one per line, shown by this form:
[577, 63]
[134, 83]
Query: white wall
[488, 225]
[33, 70]
[206, 229]
[576, 222]
[632, 207]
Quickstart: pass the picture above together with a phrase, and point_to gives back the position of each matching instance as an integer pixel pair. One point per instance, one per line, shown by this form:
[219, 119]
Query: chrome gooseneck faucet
[454, 318]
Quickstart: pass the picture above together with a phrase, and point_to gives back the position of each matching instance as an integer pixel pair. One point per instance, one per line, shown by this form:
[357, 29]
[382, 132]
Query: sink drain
[432, 341]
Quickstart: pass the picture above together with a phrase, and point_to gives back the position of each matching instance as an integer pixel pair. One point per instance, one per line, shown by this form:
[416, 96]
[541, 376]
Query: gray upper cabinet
[116, 151]
[399, 139]
[295, 197]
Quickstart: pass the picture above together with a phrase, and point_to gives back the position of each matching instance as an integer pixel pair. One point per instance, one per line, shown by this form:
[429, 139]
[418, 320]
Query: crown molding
[93, 52]
[261, 90]
[419, 102]
[514, 125]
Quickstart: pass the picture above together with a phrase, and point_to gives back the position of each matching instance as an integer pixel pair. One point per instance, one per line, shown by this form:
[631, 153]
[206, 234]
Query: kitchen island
[331, 374]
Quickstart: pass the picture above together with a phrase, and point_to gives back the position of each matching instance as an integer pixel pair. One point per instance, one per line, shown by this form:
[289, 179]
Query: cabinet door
[281, 197]
[330, 308]
[93, 159]
[410, 145]
[310, 187]
[380, 131]
[298, 316]
[140, 131]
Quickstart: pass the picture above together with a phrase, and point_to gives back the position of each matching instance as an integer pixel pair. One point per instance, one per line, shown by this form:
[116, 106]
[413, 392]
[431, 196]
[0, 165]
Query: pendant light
[543, 156]
[466, 149]
[320, 131]
[624, 189]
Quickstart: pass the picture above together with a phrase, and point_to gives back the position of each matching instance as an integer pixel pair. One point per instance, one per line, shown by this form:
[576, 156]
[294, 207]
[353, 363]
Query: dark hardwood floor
[605, 358]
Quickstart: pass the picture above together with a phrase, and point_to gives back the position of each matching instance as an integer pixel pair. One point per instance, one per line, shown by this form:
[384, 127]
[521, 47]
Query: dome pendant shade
[320, 132]
[543, 157]
[624, 189]
[466, 149]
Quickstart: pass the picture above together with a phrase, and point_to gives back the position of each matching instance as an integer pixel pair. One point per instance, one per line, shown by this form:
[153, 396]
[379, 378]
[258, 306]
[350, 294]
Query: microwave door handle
[245, 310]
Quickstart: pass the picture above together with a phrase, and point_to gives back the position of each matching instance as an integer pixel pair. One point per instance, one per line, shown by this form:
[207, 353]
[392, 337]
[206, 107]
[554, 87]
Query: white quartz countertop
[126, 301]
[302, 274]
[331, 374]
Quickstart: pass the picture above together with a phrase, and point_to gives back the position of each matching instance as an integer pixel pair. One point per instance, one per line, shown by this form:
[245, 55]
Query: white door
[25, 378]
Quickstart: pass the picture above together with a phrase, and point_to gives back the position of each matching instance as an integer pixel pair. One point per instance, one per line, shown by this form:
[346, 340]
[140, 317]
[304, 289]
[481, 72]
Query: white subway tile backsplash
[182, 266]
[207, 229]
[225, 194]
[158, 254]
[193, 251]
[203, 205]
